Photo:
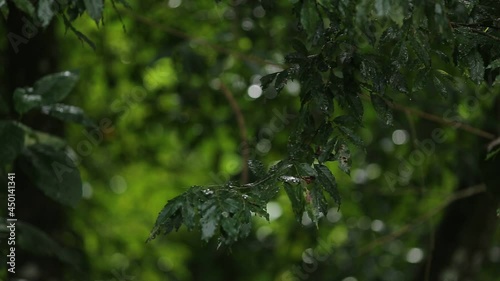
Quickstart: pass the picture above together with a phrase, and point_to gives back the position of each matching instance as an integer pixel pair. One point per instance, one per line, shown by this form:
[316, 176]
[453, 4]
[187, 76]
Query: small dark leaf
[476, 65]
[326, 152]
[266, 80]
[257, 168]
[382, 108]
[281, 80]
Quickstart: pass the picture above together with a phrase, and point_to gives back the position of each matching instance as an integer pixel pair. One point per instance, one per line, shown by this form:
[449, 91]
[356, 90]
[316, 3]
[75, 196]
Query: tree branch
[243, 132]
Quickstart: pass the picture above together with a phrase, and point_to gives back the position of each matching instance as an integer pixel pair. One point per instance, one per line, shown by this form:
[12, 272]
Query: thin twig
[423, 218]
[243, 131]
[199, 40]
[440, 120]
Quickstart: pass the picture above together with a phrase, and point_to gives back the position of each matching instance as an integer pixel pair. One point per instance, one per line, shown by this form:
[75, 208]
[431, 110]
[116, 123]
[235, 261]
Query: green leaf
[305, 170]
[53, 172]
[309, 17]
[421, 51]
[350, 135]
[55, 87]
[209, 219]
[24, 100]
[326, 152]
[68, 113]
[266, 80]
[45, 11]
[493, 154]
[328, 182]
[25, 6]
[167, 216]
[281, 80]
[46, 91]
[382, 109]
[257, 168]
[476, 65]
[494, 64]
[318, 202]
[296, 196]
[11, 142]
[94, 9]
[382, 7]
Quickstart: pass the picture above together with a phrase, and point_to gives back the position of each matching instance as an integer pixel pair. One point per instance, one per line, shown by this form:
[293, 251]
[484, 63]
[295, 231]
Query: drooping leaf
[45, 11]
[11, 142]
[53, 172]
[476, 66]
[94, 9]
[281, 80]
[328, 182]
[317, 202]
[296, 195]
[68, 113]
[266, 80]
[257, 168]
[382, 108]
[351, 135]
[309, 17]
[494, 64]
[25, 6]
[305, 170]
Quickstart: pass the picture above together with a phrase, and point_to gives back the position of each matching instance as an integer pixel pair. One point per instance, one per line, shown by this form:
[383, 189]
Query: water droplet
[208, 192]
[290, 179]
[244, 196]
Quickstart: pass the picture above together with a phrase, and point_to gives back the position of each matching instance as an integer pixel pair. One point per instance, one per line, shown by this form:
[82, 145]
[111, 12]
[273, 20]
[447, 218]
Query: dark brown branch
[243, 132]
[440, 120]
